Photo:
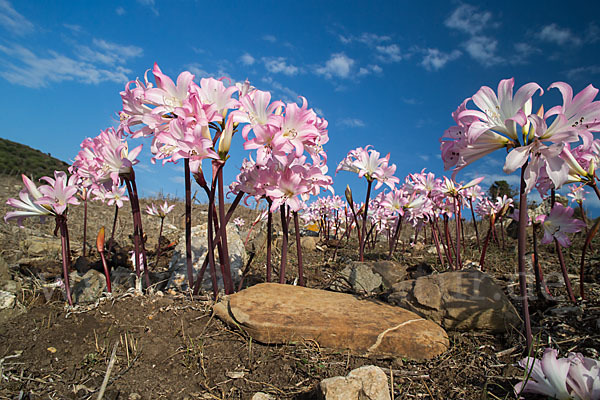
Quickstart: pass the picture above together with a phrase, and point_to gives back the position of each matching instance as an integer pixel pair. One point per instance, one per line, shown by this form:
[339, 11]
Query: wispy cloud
[120, 11]
[199, 71]
[33, 69]
[13, 21]
[370, 39]
[269, 38]
[389, 53]
[468, 19]
[109, 53]
[554, 34]
[339, 65]
[583, 72]
[435, 59]
[150, 4]
[247, 59]
[277, 65]
[351, 123]
[369, 69]
[287, 94]
[74, 28]
[483, 50]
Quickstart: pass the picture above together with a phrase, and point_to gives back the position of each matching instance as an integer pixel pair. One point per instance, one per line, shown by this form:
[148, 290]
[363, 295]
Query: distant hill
[16, 159]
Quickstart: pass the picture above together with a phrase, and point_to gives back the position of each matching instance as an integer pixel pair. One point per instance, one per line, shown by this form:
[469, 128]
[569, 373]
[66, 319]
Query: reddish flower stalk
[224, 255]
[457, 217]
[561, 258]
[437, 243]
[396, 237]
[61, 223]
[138, 233]
[85, 207]
[158, 246]
[486, 242]
[100, 248]
[269, 239]
[521, 248]
[588, 240]
[284, 243]
[361, 250]
[474, 224]
[111, 242]
[539, 276]
[188, 221]
[299, 250]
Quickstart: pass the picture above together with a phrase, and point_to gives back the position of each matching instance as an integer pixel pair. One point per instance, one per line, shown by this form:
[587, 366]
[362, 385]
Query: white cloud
[435, 59]
[482, 49]
[410, 101]
[120, 11]
[468, 19]
[424, 157]
[339, 65]
[351, 123]
[288, 94]
[554, 34]
[109, 53]
[270, 38]
[370, 39]
[583, 72]
[13, 21]
[369, 69]
[31, 69]
[389, 53]
[74, 28]
[200, 72]
[279, 65]
[150, 4]
[247, 59]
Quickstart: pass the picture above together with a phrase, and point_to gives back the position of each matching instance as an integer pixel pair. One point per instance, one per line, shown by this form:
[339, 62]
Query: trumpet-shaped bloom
[548, 375]
[160, 211]
[59, 192]
[26, 204]
[558, 223]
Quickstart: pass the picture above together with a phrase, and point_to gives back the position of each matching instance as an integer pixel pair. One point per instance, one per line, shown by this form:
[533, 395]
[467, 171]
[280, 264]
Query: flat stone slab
[279, 314]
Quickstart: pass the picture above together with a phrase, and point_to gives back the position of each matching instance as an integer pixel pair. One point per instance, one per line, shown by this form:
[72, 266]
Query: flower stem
[111, 242]
[158, 247]
[521, 248]
[299, 250]
[140, 229]
[61, 221]
[284, 243]
[188, 221]
[269, 239]
[474, 223]
[224, 256]
[85, 208]
[361, 250]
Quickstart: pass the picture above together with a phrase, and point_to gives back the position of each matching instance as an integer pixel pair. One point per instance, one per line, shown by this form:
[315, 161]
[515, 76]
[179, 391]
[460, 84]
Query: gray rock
[4, 273]
[459, 300]
[309, 243]
[7, 300]
[178, 266]
[391, 272]
[262, 396]
[364, 383]
[359, 277]
[122, 276]
[41, 247]
[87, 288]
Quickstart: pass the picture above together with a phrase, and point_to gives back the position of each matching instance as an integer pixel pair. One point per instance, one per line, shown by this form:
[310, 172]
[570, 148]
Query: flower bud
[100, 240]
[348, 193]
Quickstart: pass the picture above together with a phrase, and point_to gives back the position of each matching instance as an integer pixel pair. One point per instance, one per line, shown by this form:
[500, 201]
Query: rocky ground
[169, 344]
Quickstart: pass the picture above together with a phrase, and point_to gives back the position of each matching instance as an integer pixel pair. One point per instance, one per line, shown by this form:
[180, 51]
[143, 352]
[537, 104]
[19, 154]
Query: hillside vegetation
[16, 159]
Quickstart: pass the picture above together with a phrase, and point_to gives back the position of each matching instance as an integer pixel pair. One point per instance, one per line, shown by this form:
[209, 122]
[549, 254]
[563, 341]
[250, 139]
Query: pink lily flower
[27, 205]
[558, 223]
[59, 193]
[548, 376]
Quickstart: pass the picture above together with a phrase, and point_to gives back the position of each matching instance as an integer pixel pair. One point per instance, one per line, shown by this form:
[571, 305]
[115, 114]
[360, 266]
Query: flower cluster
[537, 141]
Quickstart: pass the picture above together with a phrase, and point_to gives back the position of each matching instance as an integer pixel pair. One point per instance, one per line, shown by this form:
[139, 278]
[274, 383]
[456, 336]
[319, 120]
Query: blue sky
[387, 74]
